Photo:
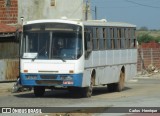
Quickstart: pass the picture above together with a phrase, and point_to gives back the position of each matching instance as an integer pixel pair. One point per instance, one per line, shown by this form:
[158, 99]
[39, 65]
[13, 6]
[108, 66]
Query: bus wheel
[111, 87]
[39, 91]
[120, 84]
[117, 87]
[87, 91]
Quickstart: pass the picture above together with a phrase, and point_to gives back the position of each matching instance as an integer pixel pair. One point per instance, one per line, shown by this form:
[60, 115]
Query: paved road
[140, 92]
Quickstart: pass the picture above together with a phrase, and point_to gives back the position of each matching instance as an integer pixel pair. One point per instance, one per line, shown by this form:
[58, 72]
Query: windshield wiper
[40, 51]
[61, 58]
[34, 58]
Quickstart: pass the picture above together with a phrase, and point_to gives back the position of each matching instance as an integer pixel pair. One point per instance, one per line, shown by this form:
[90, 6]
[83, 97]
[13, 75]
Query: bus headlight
[31, 77]
[67, 80]
[66, 77]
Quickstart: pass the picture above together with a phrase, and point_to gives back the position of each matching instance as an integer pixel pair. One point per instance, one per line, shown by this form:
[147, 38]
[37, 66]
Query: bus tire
[87, 91]
[120, 85]
[117, 87]
[39, 91]
[111, 87]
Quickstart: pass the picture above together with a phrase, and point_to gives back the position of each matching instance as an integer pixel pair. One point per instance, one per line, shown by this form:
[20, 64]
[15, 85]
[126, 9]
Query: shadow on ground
[65, 94]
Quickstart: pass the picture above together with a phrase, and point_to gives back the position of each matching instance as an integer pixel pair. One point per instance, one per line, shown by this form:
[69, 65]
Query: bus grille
[48, 77]
[56, 82]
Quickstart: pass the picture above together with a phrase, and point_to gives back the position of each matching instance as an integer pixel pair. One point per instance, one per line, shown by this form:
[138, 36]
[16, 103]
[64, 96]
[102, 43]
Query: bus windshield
[52, 41]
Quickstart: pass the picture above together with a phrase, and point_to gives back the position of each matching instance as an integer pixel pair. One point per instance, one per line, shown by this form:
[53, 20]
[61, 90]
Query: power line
[142, 4]
[116, 6]
[130, 1]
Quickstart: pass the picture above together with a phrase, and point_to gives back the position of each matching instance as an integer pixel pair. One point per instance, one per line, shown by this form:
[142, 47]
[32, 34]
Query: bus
[77, 55]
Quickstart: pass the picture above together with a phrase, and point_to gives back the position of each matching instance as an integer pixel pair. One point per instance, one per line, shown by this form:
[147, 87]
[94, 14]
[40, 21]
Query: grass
[152, 33]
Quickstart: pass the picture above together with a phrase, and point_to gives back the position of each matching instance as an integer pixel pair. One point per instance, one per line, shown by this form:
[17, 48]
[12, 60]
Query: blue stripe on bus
[76, 78]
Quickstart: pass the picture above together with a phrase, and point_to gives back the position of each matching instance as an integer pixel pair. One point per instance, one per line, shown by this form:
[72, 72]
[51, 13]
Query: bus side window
[112, 38]
[126, 37]
[108, 39]
[133, 39]
[88, 44]
[122, 39]
[88, 41]
[115, 38]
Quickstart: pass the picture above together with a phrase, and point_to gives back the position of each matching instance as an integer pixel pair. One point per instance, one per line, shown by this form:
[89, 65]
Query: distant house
[9, 53]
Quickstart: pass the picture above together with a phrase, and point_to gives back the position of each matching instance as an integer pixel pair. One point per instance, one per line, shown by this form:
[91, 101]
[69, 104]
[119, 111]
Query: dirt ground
[134, 90]
[6, 88]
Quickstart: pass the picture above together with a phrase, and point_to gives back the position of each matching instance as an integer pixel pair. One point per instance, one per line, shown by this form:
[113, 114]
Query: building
[9, 53]
[11, 12]
[49, 9]
[8, 11]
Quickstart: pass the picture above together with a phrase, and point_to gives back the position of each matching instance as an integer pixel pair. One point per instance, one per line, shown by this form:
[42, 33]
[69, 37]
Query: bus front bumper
[63, 80]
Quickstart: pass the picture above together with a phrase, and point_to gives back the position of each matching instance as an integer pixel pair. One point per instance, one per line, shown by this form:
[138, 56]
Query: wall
[9, 50]
[11, 11]
[152, 44]
[9, 63]
[148, 54]
[9, 69]
[8, 11]
[45, 9]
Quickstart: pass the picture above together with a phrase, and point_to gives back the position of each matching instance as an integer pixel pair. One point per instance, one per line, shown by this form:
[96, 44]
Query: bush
[145, 38]
[157, 39]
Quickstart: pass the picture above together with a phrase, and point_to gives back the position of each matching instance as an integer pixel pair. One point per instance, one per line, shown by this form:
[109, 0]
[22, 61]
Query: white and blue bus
[77, 55]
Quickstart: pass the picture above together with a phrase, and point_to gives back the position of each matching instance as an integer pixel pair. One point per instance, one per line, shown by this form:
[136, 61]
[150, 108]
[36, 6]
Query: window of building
[53, 2]
[8, 3]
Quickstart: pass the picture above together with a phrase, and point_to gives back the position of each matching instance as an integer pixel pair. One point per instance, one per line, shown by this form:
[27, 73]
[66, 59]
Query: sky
[143, 13]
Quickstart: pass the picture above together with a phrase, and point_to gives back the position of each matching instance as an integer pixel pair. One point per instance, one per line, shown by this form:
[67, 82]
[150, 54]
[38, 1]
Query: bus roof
[52, 21]
[102, 22]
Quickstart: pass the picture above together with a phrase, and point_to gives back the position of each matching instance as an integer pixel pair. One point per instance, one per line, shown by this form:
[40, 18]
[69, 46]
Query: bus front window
[52, 41]
[37, 43]
[66, 45]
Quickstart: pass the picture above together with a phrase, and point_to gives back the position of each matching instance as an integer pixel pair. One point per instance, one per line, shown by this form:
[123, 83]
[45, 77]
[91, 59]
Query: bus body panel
[55, 71]
[108, 64]
[54, 80]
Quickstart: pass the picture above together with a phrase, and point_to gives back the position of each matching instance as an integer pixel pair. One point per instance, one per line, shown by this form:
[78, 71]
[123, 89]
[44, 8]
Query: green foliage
[145, 38]
[157, 39]
[143, 28]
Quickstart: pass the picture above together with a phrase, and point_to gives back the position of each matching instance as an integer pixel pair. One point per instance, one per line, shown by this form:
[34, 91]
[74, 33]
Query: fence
[148, 56]
[9, 61]
[9, 69]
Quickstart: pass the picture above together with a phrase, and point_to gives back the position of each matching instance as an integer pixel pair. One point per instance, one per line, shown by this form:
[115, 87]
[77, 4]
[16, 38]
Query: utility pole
[95, 12]
[86, 10]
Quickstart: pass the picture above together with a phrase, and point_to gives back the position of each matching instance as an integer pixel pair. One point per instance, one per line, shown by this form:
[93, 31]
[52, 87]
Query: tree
[143, 28]
[145, 38]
